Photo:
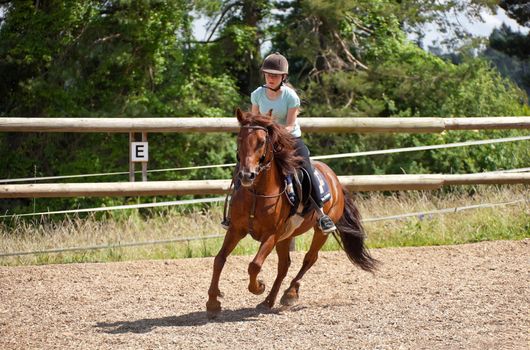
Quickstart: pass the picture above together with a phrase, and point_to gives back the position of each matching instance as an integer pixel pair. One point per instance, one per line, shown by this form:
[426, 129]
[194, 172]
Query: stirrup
[225, 224]
[326, 224]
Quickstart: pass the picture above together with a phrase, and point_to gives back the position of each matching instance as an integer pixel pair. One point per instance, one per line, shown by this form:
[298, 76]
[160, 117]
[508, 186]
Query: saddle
[298, 188]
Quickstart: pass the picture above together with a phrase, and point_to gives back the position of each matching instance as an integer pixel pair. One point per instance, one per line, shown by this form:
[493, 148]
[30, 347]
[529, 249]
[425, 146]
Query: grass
[503, 222]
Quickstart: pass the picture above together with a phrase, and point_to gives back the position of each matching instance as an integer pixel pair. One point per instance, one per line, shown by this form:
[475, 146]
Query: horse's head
[254, 146]
[260, 142]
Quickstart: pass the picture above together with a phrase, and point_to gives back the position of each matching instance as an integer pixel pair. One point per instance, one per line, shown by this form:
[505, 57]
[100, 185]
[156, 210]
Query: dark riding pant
[303, 151]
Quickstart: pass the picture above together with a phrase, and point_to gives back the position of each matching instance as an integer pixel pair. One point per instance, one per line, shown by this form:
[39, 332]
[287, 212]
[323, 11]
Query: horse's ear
[239, 115]
[269, 114]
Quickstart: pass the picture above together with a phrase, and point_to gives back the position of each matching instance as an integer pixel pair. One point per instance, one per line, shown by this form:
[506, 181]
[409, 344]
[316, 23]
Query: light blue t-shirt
[287, 99]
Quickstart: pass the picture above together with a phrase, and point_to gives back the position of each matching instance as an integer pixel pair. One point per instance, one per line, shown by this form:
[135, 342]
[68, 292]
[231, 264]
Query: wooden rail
[203, 187]
[358, 125]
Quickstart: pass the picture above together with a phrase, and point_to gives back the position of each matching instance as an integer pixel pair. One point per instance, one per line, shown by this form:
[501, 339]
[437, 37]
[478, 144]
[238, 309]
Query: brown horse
[259, 207]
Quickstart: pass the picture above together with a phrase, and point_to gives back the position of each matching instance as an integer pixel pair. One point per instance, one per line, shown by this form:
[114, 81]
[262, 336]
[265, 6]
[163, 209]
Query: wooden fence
[356, 183]
[204, 187]
[355, 125]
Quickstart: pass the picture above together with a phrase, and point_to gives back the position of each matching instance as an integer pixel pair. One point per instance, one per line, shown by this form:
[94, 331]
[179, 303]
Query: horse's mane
[282, 141]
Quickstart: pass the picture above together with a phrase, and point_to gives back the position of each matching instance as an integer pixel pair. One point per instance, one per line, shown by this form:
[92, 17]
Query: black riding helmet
[275, 64]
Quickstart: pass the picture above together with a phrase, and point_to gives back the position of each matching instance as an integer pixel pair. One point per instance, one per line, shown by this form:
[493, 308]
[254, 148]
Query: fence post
[131, 163]
[144, 164]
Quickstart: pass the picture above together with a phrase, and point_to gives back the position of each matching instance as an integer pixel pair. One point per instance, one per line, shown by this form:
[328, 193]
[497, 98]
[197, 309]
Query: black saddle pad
[303, 185]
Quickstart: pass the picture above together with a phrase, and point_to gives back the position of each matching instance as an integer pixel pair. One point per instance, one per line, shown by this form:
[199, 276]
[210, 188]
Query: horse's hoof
[212, 315]
[213, 309]
[264, 305]
[289, 299]
[261, 287]
[260, 290]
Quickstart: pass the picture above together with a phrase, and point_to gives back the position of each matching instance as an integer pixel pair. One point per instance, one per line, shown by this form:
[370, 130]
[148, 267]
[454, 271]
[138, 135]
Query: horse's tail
[352, 235]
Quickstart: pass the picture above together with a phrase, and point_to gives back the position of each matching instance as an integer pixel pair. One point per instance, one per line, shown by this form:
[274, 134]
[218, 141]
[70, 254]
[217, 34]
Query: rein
[253, 207]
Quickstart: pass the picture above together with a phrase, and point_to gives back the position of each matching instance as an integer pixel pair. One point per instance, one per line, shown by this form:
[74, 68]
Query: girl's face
[273, 80]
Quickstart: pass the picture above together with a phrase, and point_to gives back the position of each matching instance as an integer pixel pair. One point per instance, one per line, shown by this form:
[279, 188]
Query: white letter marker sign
[139, 152]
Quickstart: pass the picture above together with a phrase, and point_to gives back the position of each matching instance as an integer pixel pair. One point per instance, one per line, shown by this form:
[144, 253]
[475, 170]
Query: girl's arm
[292, 114]
[255, 109]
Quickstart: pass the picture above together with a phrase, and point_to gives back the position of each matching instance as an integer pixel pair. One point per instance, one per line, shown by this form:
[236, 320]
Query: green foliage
[348, 58]
[120, 58]
[85, 59]
[237, 34]
[404, 81]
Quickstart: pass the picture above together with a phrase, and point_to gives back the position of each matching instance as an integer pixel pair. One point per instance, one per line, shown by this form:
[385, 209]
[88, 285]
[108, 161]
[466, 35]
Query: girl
[277, 96]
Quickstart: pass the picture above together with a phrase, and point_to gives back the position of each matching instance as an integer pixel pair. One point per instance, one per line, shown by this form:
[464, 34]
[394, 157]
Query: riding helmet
[275, 64]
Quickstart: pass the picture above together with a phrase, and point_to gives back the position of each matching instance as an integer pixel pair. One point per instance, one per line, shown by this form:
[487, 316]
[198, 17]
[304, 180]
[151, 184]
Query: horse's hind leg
[256, 286]
[290, 296]
[213, 306]
[284, 261]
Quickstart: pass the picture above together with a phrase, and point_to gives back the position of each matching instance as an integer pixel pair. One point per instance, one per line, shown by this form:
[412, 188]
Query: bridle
[262, 165]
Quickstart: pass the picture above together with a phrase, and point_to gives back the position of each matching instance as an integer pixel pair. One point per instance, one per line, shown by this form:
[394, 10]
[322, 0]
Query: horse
[259, 207]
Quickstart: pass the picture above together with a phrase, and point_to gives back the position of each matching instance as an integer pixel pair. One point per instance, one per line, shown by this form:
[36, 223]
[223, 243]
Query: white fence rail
[358, 125]
[198, 187]
[356, 183]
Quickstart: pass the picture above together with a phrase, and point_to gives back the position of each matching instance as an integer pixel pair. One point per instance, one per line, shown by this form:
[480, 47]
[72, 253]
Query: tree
[111, 58]
[518, 10]
[138, 58]
[397, 79]
[240, 29]
[75, 58]
[510, 53]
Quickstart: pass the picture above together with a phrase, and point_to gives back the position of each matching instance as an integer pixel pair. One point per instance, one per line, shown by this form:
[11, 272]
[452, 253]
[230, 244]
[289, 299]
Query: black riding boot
[324, 221]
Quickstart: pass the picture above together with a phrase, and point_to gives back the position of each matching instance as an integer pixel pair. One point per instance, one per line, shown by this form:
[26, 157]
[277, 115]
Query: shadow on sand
[190, 319]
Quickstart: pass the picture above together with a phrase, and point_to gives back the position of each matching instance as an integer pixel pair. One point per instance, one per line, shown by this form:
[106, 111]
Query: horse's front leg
[284, 261]
[256, 286]
[213, 306]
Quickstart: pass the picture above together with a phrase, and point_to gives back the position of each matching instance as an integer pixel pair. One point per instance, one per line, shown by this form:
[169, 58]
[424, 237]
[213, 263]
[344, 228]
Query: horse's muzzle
[247, 177]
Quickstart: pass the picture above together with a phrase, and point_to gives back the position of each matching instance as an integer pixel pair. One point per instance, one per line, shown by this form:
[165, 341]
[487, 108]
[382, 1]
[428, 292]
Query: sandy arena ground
[473, 296]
